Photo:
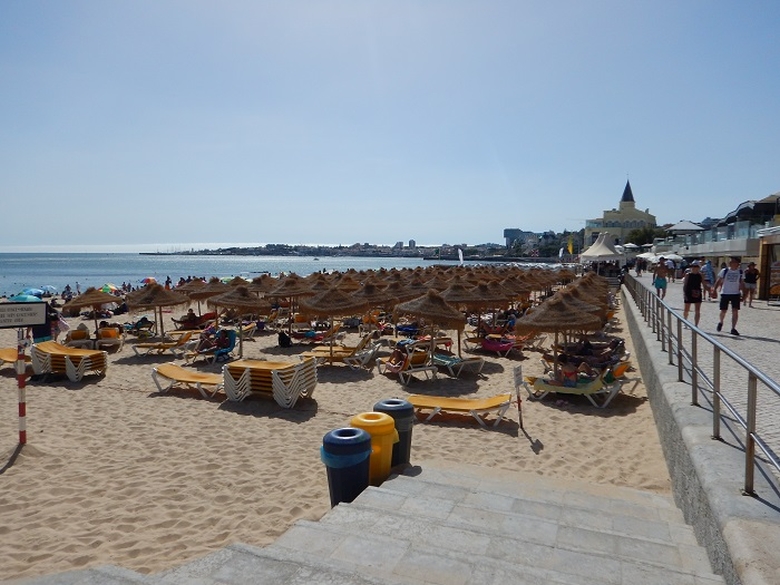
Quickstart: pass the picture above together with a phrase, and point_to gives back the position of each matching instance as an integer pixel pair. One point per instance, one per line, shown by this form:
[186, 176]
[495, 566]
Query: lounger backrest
[78, 334]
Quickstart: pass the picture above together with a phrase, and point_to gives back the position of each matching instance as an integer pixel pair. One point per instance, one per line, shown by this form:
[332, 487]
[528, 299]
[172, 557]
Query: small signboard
[13, 315]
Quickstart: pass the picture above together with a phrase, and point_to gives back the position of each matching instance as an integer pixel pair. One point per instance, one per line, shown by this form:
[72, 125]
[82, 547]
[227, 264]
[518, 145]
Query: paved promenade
[758, 343]
[742, 534]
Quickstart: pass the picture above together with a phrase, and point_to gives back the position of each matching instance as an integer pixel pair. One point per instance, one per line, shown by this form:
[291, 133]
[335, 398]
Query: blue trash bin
[346, 453]
[402, 412]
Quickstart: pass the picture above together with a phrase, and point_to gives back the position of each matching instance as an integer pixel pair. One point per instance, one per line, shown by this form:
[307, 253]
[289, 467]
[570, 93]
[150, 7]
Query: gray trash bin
[402, 413]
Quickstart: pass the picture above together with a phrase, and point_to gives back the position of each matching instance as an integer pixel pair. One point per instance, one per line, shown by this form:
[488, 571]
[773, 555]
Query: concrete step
[461, 481]
[241, 564]
[588, 512]
[103, 575]
[447, 563]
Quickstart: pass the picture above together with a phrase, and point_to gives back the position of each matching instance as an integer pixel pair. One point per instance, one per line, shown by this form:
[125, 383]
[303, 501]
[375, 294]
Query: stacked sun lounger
[49, 357]
[285, 382]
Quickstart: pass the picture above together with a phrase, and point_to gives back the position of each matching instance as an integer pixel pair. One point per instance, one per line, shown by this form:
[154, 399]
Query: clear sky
[169, 122]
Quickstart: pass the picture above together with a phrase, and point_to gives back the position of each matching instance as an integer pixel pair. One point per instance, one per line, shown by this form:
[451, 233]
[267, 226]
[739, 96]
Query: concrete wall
[741, 533]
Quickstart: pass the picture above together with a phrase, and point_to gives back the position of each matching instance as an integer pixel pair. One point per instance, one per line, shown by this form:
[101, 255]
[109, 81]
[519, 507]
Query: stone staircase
[455, 524]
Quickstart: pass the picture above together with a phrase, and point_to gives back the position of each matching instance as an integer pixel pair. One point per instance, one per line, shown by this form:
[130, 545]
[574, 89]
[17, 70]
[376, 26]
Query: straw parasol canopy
[332, 302]
[262, 284]
[94, 298]
[155, 296]
[557, 314]
[372, 295]
[434, 309]
[212, 288]
[291, 286]
[244, 302]
[190, 286]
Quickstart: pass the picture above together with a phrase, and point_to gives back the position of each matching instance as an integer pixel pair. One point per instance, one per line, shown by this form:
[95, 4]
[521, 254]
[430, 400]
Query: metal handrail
[668, 327]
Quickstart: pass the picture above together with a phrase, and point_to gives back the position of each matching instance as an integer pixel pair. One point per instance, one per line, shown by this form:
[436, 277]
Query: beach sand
[115, 474]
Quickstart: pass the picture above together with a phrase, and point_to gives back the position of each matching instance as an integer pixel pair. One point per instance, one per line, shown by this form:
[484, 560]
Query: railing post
[694, 369]
[679, 351]
[715, 392]
[670, 349]
[750, 441]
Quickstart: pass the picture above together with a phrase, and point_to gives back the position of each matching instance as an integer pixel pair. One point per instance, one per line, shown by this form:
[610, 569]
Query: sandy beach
[114, 473]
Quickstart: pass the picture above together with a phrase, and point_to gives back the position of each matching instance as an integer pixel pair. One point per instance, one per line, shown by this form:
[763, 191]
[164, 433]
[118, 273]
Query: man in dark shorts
[692, 292]
[733, 286]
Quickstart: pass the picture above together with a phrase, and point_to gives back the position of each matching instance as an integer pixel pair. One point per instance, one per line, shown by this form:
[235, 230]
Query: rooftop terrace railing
[751, 398]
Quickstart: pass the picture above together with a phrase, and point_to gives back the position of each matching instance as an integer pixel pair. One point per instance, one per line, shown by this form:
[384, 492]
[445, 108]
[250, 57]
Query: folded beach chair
[176, 347]
[290, 385]
[282, 381]
[479, 408]
[50, 357]
[455, 365]
[182, 378]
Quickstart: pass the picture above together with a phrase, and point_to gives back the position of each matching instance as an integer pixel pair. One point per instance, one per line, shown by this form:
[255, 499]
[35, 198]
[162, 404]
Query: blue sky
[167, 122]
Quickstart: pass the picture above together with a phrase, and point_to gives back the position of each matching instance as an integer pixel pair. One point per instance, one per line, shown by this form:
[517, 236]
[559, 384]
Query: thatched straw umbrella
[243, 302]
[94, 298]
[556, 315]
[435, 310]
[155, 297]
[212, 288]
[331, 303]
[291, 287]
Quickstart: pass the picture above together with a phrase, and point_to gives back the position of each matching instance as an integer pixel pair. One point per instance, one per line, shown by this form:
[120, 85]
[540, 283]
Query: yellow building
[619, 222]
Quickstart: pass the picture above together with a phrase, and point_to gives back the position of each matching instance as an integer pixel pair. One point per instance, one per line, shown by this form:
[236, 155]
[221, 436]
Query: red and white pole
[21, 378]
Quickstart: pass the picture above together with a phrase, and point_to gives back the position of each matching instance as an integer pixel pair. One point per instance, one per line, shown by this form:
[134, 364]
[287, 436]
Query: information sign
[14, 315]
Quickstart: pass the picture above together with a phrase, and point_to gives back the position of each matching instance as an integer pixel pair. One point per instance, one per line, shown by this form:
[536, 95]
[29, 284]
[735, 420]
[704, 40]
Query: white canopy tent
[602, 250]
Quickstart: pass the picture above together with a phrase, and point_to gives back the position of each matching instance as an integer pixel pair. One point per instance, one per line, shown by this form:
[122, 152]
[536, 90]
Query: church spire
[628, 195]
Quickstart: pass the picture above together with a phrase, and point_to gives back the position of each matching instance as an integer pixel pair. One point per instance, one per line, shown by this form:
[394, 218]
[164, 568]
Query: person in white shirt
[732, 287]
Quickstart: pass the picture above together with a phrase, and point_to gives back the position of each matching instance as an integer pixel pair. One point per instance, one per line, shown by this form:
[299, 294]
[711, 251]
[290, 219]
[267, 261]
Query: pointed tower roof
[628, 195]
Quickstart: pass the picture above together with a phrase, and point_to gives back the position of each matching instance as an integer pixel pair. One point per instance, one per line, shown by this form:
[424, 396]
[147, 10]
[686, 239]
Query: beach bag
[284, 340]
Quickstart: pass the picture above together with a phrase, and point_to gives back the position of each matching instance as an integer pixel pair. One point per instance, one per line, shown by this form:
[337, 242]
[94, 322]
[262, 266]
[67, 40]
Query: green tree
[645, 235]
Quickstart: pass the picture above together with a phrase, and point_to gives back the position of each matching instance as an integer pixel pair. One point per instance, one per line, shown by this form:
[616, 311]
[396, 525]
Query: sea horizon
[162, 248]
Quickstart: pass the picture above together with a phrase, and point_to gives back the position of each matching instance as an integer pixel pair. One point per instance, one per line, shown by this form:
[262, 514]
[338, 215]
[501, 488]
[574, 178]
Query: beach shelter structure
[332, 302]
[601, 251]
[555, 315]
[244, 302]
[155, 297]
[291, 287]
[212, 288]
[432, 308]
[93, 298]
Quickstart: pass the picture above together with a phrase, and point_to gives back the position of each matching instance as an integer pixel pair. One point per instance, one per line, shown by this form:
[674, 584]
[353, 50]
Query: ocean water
[25, 270]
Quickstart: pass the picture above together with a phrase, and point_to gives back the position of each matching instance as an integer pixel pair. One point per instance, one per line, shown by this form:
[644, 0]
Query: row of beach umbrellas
[437, 296]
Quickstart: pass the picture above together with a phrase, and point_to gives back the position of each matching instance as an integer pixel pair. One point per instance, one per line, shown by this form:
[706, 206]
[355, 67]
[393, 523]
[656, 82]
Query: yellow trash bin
[384, 435]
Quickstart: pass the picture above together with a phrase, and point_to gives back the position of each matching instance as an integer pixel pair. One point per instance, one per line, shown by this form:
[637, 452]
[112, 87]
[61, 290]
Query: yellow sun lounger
[9, 355]
[183, 378]
[49, 357]
[597, 391]
[476, 407]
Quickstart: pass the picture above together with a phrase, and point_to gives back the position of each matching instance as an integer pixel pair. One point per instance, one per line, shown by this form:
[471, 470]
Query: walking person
[709, 277]
[733, 286]
[692, 292]
[659, 277]
[750, 277]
